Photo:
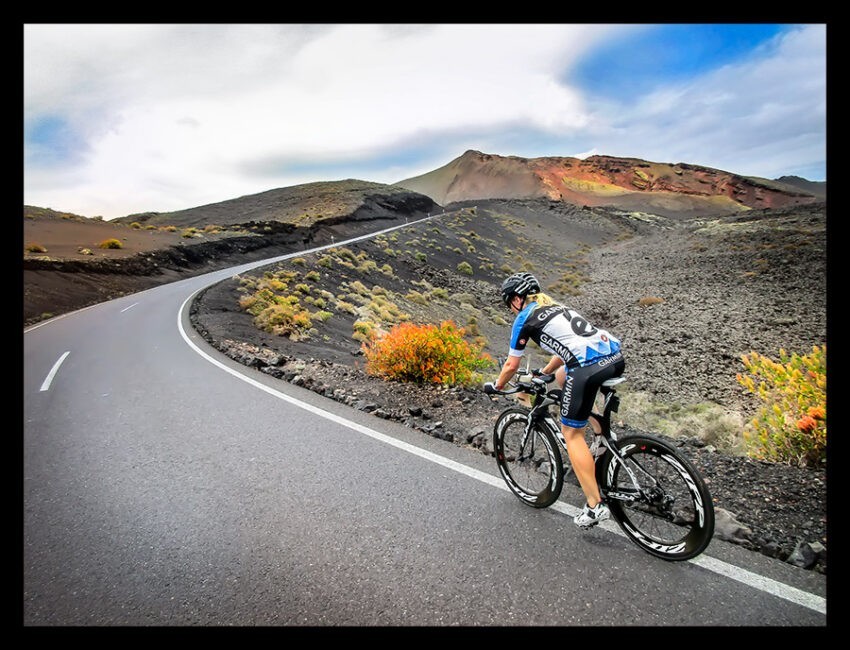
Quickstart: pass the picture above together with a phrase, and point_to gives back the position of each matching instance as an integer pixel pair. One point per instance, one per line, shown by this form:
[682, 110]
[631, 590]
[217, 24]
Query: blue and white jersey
[561, 331]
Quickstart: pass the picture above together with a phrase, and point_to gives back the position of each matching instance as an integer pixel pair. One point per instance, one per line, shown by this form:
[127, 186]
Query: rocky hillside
[671, 190]
[687, 297]
[300, 205]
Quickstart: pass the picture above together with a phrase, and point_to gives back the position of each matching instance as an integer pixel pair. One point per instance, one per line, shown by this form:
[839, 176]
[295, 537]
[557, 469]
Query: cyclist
[583, 356]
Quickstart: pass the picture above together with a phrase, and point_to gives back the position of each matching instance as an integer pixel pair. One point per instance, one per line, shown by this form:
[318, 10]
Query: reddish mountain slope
[628, 183]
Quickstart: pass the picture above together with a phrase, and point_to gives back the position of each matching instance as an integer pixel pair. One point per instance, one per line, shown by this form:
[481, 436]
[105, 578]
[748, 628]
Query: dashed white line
[50, 375]
[130, 307]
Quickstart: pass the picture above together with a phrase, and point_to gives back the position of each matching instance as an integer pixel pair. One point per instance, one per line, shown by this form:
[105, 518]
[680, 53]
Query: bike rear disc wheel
[674, 519]
[535, 472]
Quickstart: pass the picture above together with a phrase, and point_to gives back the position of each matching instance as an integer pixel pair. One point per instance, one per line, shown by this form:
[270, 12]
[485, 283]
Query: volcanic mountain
[667, 189]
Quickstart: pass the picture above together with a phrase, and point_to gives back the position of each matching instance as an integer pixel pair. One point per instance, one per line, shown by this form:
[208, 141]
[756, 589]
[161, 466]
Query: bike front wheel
[669, 513]
[529, 462]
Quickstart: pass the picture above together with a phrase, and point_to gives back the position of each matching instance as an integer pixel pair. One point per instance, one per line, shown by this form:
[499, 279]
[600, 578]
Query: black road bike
[654, 493]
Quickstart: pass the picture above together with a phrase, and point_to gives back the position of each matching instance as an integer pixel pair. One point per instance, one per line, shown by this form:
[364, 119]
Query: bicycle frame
[610, 405]
[539, 413]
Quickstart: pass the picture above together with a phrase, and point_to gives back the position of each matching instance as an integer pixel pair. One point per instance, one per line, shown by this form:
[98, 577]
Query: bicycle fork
[534, 417]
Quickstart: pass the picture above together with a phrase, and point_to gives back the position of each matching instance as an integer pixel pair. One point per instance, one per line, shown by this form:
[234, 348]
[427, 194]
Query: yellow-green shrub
[415, 296]
[791, 426]
[110, 243]
[363, 330]
[367, 266]
[256, 302]
[284, 318]
[425, 353]
[347, 307]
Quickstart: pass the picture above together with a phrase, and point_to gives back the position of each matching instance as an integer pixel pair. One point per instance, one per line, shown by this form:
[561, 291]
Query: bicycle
[655, 494]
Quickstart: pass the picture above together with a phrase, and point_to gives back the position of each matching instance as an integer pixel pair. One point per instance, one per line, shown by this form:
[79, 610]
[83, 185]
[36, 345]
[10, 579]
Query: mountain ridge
[668, 189]
[674, 190]
[299, 205]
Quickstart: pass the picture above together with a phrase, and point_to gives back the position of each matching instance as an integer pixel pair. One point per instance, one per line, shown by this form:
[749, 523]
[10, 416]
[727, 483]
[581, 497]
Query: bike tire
[677, 521]
[535, 474]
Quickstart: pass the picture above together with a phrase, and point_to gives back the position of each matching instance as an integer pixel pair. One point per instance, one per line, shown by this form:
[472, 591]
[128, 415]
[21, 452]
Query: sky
[127, 118]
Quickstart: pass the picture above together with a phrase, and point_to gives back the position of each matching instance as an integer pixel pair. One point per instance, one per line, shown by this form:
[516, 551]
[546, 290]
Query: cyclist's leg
[579, 393]
[582, 462]
[560, 375]
[576, 404]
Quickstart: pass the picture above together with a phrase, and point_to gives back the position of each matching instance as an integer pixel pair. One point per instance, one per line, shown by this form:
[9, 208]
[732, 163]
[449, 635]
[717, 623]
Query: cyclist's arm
[509, 369]
[554, 363]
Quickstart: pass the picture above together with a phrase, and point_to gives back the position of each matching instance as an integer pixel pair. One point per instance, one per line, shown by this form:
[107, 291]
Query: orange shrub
[425, 353]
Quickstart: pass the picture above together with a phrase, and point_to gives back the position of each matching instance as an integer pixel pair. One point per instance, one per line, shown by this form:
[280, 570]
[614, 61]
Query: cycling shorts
[581, 385]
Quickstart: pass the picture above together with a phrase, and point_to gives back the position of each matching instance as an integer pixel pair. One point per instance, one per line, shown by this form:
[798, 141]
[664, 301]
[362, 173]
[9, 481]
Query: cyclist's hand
[490, 388]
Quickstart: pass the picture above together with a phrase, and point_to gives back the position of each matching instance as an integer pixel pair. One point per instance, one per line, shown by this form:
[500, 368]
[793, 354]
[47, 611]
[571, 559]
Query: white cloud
[746, 117]
[165, 117]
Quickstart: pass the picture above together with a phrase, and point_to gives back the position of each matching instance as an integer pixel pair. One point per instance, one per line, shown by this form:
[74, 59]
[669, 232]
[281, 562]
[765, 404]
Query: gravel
[728, 286]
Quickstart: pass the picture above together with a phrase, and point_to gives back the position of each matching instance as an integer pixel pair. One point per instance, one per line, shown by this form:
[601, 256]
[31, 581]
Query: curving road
[165, 485]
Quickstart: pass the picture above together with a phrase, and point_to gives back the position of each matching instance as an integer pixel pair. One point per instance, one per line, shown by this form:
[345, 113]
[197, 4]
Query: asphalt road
[165, 485]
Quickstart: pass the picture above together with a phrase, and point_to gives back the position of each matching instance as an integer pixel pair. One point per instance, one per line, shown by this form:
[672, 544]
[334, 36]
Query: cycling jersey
[561, 331]
[591, 355]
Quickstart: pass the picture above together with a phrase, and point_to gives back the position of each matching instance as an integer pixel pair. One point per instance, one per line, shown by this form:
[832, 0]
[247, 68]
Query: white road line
[130, 307]
[804, 598]
[50, 375]
[778, 589]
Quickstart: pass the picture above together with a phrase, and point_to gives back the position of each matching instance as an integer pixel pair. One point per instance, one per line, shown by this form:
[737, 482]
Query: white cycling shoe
[589, 517]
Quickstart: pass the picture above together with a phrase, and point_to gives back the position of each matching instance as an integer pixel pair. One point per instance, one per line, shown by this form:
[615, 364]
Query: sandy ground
[64, 238]
[79, 279]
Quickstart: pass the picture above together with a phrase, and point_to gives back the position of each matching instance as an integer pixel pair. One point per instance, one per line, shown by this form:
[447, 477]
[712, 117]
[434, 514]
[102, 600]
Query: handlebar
[536, 385]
